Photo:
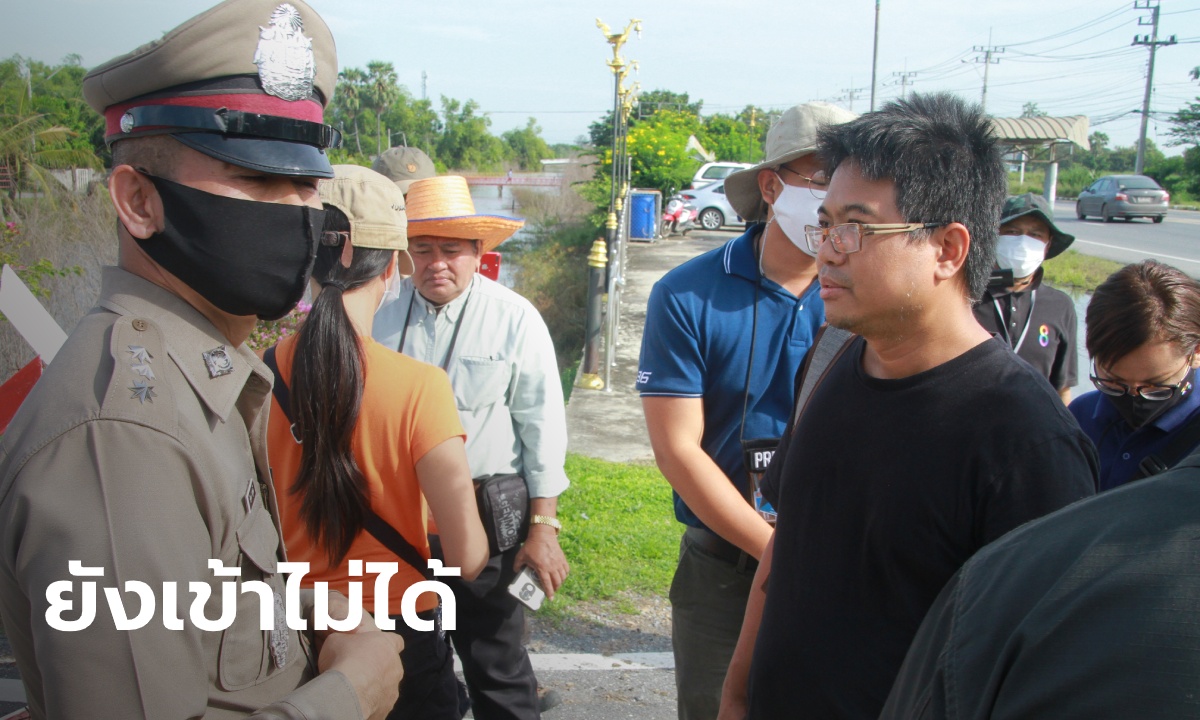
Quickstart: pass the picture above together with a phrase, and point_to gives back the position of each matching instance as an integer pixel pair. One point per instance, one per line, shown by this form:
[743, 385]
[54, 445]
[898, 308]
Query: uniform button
[140, 325]
[1125, 456]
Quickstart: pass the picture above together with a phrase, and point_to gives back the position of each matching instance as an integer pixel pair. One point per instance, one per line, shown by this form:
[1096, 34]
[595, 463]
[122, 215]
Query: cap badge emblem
[284, 56]
[218, 362]
[412, 167]
[127, 123]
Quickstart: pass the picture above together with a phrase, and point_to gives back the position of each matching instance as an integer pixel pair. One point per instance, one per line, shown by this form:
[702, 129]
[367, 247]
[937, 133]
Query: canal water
[499, 200]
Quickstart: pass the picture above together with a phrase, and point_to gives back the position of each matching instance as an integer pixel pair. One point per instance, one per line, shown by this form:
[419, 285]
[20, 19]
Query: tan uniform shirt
[132, 456]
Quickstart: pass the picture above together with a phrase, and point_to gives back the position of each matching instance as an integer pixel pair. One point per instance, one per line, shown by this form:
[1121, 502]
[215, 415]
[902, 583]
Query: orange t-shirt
[407, 410]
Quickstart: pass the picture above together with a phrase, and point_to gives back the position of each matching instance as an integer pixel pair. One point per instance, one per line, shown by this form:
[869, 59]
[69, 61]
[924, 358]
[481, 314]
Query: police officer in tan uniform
[140, 458]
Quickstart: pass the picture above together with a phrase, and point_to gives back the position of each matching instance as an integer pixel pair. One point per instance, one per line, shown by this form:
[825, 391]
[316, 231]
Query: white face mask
[794, 208]
[1020, 253]
[391, 288]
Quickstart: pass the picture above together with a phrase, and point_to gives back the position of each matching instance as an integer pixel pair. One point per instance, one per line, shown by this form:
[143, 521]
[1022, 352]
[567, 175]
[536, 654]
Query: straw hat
[442, 207]
[794, 135]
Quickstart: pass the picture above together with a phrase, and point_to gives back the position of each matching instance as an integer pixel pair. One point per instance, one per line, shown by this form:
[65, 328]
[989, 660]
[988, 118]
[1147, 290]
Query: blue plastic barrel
[642, 222]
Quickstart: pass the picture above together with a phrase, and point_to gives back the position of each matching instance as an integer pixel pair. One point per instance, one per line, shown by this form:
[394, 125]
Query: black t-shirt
[1045, 338]
[884, 489]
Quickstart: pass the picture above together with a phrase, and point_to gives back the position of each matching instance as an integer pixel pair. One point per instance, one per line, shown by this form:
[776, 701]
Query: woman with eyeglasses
[1143, 335]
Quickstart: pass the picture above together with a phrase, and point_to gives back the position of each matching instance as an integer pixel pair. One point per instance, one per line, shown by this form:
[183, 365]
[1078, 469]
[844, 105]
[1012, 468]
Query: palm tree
[30, 146]
[382, 91]
[349, 98]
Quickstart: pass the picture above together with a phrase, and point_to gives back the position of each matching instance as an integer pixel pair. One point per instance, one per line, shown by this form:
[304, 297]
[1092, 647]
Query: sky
[546, 59]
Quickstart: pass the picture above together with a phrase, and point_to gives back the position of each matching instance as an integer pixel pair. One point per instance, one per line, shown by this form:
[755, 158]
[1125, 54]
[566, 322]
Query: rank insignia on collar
[218, 362]
[143, 370]
[140, 355]
[284, 56]
[142, 392]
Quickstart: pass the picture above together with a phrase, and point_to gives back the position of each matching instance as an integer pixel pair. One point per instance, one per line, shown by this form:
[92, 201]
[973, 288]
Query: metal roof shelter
[1038, 136]
[1026, 133]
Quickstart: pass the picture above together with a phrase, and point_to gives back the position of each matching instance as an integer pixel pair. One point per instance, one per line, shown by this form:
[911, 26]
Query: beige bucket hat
[375, 208]
[442, 206]
[794, 135]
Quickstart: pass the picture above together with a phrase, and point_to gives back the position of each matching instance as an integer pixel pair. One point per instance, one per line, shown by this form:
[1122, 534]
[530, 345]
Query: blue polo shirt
[1121, 448]
[700, 323]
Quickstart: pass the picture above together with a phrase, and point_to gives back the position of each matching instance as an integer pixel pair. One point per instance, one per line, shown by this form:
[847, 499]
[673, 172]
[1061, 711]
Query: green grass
[619, 532]
[1082, 272]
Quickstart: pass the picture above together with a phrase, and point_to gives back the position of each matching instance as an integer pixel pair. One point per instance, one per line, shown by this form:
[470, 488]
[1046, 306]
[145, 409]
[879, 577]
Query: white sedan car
[712, 207]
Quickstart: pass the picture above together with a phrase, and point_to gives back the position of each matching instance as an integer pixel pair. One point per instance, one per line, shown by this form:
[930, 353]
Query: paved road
[1175, 241]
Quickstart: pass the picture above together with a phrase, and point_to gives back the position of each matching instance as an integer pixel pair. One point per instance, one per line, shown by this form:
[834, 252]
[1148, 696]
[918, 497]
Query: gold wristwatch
[546, 520]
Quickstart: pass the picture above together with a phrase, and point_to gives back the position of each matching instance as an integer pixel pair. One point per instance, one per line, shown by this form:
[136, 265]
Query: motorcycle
[679, 216]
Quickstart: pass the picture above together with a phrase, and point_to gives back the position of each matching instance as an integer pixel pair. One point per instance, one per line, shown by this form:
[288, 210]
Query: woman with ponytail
[371, 435]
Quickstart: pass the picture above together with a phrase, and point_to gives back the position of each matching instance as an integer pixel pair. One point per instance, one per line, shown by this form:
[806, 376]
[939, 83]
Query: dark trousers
[429, 689]
[708, 602]
[490, 643]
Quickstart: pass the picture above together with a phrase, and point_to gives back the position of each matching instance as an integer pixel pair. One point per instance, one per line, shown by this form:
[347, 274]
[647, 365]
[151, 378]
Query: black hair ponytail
[327, 388]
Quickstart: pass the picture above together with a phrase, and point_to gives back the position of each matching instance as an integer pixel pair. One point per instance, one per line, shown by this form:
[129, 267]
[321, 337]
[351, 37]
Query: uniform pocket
[480, 382]
[245, 657]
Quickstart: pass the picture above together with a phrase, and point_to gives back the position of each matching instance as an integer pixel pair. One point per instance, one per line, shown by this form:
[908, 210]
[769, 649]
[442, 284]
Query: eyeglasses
[847, 238]
[819, 182]
[1156, 393]
[334, 238]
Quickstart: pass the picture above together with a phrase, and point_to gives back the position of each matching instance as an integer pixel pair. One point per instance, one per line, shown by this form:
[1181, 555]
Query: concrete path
[608, 424]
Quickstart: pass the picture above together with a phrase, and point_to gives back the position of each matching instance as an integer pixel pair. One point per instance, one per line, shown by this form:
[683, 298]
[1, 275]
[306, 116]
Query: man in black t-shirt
[1037, 321]
[925, 440]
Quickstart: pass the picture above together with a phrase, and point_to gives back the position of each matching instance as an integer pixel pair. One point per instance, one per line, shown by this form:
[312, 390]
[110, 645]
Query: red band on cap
[309, 110]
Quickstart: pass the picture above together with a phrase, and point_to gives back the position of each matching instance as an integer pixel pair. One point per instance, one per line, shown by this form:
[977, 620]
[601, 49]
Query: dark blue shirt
[700, 323]
[1121, 448]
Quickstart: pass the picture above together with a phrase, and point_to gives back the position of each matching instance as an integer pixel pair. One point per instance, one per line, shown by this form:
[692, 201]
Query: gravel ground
[606, 627]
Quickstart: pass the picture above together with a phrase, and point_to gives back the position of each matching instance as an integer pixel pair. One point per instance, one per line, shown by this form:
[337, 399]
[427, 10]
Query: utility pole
[852, 94]
[988, 51]
[875, 56]
[1153, 43]
[904, 79]
[424, 80]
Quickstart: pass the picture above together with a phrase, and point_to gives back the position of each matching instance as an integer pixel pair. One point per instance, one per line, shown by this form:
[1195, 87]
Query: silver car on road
[712, 207]
[1123, 196]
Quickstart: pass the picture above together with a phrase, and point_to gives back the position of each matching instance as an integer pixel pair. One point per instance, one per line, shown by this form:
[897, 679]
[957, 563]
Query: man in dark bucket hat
[140, 463]
[1037, 321]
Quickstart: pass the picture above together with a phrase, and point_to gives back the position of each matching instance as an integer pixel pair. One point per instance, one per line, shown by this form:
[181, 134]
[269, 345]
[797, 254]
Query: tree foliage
[526, 146]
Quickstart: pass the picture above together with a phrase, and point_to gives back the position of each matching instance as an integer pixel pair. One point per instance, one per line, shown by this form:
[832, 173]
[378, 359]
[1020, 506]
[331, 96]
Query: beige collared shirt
[131, 455]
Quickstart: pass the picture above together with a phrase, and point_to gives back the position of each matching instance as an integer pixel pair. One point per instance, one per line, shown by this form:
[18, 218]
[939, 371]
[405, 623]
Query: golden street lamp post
[599, 262]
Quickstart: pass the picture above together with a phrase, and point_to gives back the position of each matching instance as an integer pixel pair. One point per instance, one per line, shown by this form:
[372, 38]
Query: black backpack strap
[387, 535]
[1180, 447]
[828, 346]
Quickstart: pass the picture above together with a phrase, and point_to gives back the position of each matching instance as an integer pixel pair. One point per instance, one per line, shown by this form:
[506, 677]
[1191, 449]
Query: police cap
[245, 82]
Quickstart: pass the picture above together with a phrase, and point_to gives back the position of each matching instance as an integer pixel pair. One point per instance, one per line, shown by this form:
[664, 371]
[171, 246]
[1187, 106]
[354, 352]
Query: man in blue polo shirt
[725, 335]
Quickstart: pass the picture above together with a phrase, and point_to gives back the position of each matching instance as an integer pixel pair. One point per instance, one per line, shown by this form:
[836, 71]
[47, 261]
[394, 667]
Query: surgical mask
[1138, 411]
[794, 208]
[391, 289]
[1020, 253]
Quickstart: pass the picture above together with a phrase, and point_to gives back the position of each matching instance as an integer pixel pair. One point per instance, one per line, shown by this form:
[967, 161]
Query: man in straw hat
[1037, 321]
[498, 353]
[140, 463]
[725, 333]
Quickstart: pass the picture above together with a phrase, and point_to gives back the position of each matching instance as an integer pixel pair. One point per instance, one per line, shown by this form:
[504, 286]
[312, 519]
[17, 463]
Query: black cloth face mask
[244, 257]
[1138, 411]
